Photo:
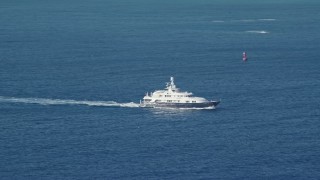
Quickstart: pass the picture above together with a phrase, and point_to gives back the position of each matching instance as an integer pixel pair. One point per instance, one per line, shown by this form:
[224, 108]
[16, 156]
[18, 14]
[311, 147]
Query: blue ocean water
[72, 72]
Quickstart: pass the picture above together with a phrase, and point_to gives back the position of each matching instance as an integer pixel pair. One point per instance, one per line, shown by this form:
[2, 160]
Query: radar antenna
[172, 81]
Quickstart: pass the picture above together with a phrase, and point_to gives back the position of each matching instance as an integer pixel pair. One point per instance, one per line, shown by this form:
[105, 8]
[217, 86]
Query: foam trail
[44, 101]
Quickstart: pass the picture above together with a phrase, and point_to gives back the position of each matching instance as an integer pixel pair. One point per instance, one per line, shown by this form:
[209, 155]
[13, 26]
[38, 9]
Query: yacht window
[169, 100]
[193, 101]
[187, 101]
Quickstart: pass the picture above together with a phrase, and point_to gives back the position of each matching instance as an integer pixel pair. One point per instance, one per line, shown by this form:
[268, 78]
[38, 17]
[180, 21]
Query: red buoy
[244, 56]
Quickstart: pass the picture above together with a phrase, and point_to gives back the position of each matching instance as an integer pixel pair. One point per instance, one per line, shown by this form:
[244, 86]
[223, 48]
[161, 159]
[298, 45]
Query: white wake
[43, 101]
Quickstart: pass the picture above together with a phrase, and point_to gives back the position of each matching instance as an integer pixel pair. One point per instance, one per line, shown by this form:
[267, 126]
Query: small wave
[218, 21]
[258, 32]
[43, 101]
[245, 20]
[266, 19]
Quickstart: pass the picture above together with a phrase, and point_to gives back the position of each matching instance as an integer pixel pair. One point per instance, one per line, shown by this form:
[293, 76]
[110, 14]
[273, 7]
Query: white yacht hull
[210, 104]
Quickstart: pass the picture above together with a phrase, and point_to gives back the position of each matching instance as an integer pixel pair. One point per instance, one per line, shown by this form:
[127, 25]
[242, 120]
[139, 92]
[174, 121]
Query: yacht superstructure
[172, 97]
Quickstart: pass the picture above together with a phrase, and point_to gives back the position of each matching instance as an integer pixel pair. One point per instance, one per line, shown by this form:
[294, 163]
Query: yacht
[172, 97]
